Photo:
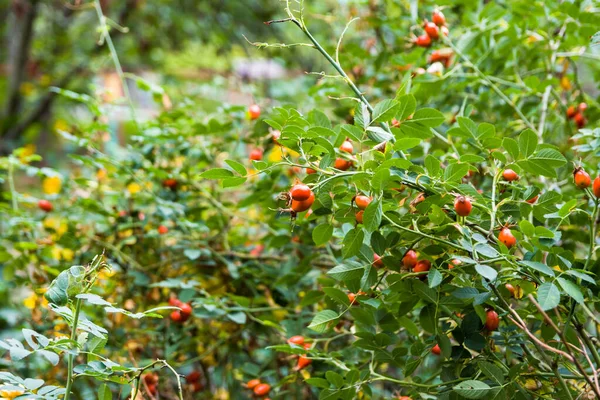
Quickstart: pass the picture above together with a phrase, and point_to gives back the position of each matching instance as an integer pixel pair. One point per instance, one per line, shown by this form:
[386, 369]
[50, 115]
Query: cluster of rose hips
[576, 114]
[432, 29]
[193, 378]
[303, 361]
[259, 388]
[410, 261]
[361, 202]
[583, 181]
[184, 312]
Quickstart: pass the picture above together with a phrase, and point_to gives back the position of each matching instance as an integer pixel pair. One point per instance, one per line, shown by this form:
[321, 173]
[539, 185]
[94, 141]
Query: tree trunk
[19, 44]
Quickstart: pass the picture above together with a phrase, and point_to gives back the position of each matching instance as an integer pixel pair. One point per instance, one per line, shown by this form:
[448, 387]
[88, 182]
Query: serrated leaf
[104, 392]
[528, 141]
[538, 266]
[491, 371]
[455, 172]
[322, 320]
[434, 277]
[385, 111]
[512, 147]
[347, 271]
[237, 167]
[472, 389]
[322, 233]
[216, 173]
[571, 289]
[548, 296]
[353, 242]
[486, 271]
[429, 117]
[408, 105]
[372, 216]
[337, 295]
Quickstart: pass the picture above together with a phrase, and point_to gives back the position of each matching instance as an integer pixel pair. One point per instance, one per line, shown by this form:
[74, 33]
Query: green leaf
[349, 270]
[429, 117]
[486, 271]
[67, 283]
[334, 378]
[571, 289]
[467, 126]
[548, 296]
[472, 389]
[407, 143]
[216, 173]
[104, 392]
[385, 111]
[455, 172]
[353, 242]
[337, 295]
[549, 157]
[528, 141]
[424, 292]
[538, 266]
[237, 167]
[378, 134]
[434, 277]
[512, 147]
[433, 165]
[372, 216]
[323, 320]
[491, 371]
[408, 105]
[322, 233]
[192, 254]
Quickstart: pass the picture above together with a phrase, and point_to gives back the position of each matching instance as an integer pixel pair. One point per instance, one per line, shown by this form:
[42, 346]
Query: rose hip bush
[422, 225]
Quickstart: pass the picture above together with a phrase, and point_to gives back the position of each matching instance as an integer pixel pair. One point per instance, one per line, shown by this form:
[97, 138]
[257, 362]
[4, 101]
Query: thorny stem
[552, 365]
[336, 66]
[567, 348]
[114, 55]
[164, 363]
[491, 84]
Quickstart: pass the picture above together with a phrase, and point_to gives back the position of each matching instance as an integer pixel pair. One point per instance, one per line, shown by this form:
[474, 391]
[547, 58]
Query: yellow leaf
[51, 185]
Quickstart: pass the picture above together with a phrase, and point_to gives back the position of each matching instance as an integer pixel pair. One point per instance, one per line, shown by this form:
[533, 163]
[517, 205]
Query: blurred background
[197, 48]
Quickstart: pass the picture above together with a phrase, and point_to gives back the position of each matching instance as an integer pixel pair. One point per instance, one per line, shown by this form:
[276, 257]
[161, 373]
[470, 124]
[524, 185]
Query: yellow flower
[57, 225]
[565, 83]
[51, 185]
[67, 254]
[31, 301]
[60, 125]
[134, 188]
[56, 253]
[101, 174]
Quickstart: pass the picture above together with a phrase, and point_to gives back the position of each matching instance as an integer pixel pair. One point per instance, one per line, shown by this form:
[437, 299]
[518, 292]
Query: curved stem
[343, 74]
[70, 357]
